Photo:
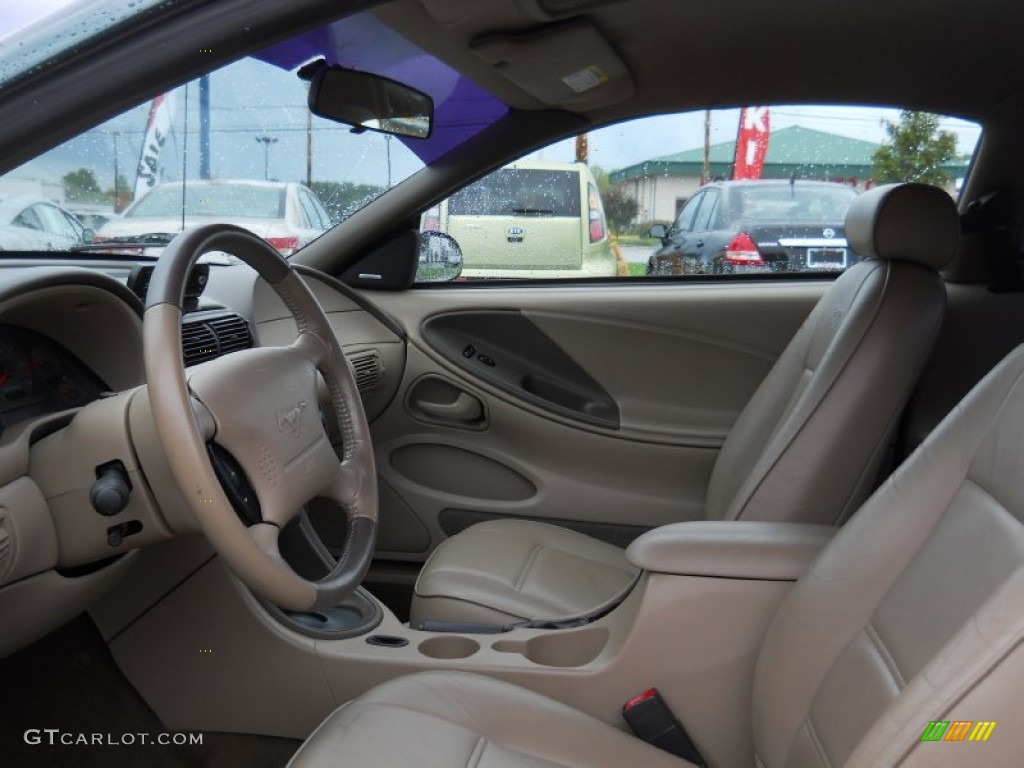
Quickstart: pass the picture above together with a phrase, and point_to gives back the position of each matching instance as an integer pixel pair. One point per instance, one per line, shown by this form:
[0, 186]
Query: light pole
[266, 141]
[117, 186]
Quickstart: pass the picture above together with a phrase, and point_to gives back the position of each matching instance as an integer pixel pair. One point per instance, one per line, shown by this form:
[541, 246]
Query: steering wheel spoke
[261, 407]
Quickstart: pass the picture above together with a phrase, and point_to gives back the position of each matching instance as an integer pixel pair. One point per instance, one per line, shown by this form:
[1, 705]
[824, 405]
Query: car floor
[69, 681]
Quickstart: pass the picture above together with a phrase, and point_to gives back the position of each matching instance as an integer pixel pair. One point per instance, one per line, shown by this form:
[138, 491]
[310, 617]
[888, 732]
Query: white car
[286, 215]
[30, 223]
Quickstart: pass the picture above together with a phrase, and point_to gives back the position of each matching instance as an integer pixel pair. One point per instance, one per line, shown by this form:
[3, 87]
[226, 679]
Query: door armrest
[730, 549]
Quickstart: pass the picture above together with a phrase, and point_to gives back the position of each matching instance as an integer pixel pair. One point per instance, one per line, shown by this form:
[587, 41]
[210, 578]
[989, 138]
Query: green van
[528, 220]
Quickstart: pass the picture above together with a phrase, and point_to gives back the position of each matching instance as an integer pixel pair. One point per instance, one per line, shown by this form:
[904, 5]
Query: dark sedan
[757, 226]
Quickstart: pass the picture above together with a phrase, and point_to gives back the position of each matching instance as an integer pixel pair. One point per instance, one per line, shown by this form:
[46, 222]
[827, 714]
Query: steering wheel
[260, 405]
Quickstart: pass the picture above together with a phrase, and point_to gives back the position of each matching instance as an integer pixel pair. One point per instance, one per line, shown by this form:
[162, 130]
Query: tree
[124, 195]
[915, 151]
[81, 187]
[619, 209]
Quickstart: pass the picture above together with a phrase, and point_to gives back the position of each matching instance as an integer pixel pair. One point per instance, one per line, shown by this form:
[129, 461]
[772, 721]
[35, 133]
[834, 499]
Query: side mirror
[659, 231]
[368, 102]
[440, 258]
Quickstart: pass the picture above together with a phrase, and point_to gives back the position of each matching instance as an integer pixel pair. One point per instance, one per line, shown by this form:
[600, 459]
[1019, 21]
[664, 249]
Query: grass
[638, 240]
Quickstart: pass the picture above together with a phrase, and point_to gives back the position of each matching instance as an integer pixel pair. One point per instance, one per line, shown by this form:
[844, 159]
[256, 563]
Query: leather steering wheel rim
[261, 405]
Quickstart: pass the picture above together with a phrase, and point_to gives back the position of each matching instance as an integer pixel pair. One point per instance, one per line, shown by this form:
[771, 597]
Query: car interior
[324, 510]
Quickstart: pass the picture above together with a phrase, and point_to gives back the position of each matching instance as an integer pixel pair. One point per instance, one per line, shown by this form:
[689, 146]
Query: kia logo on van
[515, 234]
[829, 232]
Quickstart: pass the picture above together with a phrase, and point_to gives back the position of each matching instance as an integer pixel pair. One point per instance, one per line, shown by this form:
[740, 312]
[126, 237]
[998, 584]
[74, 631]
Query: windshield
[793, 203]
[240, 143]
[520, 192]
[33, 33]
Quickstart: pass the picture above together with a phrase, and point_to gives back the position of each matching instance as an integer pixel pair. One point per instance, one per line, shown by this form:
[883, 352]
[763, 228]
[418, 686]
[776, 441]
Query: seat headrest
[907, 222]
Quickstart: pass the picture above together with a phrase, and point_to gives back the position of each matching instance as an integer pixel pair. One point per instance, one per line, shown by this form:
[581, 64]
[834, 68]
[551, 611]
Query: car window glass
[520, 192]
[305, 215]
[311, 211]
[28, 219]
[708, 207]
[760, 215]
[687, 216]
[54, 221]
[241, 138]
[77, 228]
[325, 219]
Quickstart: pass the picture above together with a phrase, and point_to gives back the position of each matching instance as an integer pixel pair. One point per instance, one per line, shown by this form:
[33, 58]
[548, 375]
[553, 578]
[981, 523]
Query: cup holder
[449, 647]
[562, 648]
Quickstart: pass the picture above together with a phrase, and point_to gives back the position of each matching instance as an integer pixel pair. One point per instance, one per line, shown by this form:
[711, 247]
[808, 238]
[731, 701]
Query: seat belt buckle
[652, 721]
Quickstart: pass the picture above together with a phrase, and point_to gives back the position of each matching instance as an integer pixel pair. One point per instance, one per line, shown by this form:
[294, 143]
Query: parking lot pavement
[635, 253]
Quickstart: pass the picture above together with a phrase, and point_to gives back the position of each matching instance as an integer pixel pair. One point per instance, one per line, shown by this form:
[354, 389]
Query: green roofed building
[661, 185]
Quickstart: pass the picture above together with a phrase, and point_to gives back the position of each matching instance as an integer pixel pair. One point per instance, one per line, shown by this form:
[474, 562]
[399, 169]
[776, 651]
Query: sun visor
[570, 66]
[451, 13]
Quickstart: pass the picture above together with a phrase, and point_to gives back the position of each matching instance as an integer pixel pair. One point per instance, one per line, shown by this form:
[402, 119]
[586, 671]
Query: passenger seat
[806, 448]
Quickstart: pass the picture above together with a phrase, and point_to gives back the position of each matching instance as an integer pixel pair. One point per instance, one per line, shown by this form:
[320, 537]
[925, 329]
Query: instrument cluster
[38, 376]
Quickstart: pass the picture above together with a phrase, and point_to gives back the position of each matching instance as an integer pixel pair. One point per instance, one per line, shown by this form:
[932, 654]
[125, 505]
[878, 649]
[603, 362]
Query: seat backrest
[914, 613]
[809, 444]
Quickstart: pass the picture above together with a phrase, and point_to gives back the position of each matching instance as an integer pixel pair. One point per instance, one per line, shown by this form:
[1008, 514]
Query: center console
[691, 627]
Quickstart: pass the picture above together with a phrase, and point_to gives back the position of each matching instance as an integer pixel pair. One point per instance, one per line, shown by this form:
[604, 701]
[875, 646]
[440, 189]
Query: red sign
[751, 143]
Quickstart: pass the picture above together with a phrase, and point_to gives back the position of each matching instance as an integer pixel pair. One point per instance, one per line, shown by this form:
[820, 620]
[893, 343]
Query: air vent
[367, 368]
[211, 335]
[232, 333]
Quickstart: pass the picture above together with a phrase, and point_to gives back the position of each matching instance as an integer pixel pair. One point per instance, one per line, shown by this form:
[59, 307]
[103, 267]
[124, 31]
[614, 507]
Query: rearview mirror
[369, 102]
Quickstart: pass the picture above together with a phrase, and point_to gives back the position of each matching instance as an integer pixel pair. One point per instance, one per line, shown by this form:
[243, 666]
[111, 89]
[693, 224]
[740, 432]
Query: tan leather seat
[807, 447]
[914, 612]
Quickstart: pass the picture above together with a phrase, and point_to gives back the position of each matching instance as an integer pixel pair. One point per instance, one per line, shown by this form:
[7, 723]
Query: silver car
[286, 215]
[31, 223]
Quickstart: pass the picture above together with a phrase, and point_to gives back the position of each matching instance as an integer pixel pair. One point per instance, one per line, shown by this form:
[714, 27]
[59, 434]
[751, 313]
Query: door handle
[465, 408]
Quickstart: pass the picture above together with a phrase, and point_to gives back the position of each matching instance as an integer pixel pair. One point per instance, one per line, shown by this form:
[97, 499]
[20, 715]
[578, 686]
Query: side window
[29, 219]
[684, 222]
[708, 209]
[767, 201]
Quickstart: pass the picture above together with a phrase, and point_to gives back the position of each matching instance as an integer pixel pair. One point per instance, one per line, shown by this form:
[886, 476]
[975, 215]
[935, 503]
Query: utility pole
[117, 187]
[705, 174]
[204, 127]
[266, 141]
[583, 149]
[309, 149]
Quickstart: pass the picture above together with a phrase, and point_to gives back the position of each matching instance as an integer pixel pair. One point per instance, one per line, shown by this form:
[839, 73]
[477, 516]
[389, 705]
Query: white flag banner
[158, 127]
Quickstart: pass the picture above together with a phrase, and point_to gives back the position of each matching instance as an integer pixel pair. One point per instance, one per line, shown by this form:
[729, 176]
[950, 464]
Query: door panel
[678, 361]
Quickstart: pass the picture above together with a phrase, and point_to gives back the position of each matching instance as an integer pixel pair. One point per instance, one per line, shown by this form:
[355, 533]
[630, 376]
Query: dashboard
[38, 376]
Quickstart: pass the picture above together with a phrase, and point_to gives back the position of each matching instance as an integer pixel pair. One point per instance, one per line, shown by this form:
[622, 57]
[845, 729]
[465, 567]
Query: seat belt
[991, 217]
[652, 721]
